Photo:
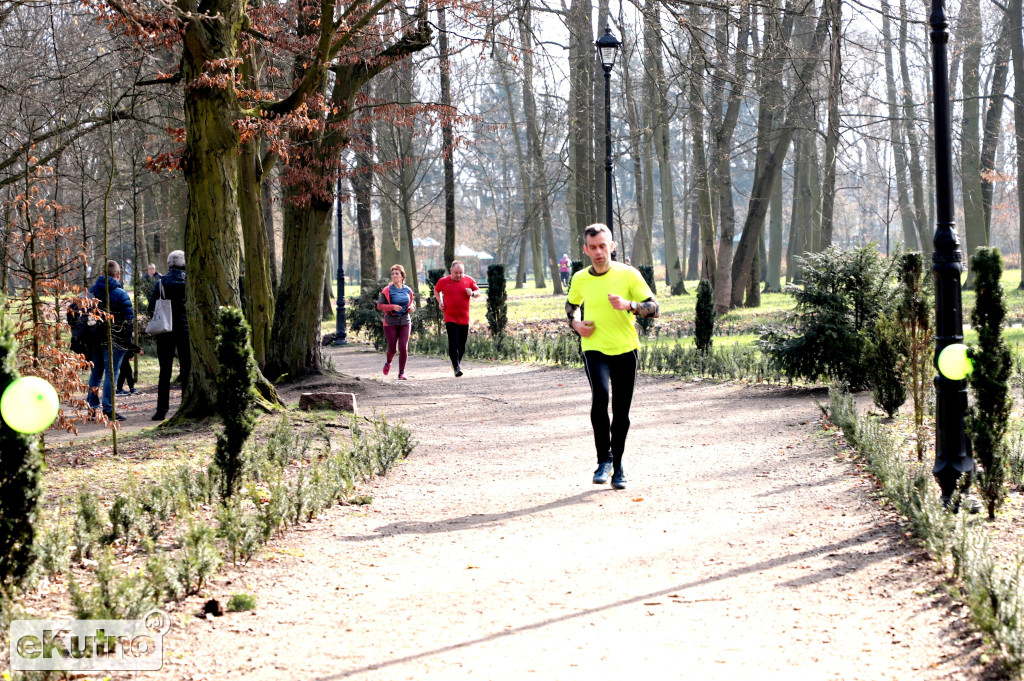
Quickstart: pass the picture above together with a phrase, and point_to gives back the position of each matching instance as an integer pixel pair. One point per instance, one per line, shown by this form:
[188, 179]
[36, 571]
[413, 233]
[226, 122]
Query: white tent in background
[426, 242]
[464, 251]
[484, 255]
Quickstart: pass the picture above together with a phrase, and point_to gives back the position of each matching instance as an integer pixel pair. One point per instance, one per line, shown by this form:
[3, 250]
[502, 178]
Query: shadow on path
[863, 538]
[468, 522]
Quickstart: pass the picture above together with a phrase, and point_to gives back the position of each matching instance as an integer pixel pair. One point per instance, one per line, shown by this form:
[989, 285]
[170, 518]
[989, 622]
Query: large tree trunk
[407, 174]
[917, 185]
[773, 281]
[910, 234]
[723, 144]
[295, 338]
[970, 144]
[259, 288]
[542, 192]
[642, 251]
[828, 186]
[268, 220]
[586, 193]
[447, 141]
[1017, 50]
[771, 154]
[660, 123]
[522, 162]
[993, 120]
[210, 162]
[692, 265]
[705, 204]
[362, 188]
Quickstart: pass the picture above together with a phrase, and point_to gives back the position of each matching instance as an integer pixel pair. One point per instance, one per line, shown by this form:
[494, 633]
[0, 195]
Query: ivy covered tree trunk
[21, 468]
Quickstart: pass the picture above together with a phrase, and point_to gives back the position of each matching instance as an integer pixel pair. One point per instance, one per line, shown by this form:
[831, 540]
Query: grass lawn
[538, 310]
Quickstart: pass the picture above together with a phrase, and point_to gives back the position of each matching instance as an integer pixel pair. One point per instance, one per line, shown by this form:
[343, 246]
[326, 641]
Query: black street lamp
[342, 330]
[607, 46]
[952, 450]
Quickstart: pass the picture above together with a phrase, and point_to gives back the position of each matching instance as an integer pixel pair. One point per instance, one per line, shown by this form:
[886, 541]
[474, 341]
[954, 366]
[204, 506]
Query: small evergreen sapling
[647, 323]
[236, 376]
[21, 469]
[988, 417]
[497, 300]
[915, 319]
[704, 323]
[886, 359]
[433, 309]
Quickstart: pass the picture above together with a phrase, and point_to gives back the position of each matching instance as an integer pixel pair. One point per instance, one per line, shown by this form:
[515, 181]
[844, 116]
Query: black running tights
[619, 373]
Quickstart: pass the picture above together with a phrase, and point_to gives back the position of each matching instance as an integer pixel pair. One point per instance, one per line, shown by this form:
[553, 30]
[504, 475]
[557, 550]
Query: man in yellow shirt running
[602, 301]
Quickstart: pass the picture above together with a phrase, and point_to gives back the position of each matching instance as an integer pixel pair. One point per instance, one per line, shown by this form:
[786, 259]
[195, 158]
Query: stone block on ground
[335, 401]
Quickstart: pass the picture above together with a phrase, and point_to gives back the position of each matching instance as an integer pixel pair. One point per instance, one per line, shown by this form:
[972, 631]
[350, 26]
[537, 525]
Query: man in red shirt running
[453, 294]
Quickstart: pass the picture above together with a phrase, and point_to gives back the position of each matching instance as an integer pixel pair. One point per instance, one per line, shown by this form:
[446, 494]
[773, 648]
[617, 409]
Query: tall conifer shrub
[987, 419]
[497, 300]
[21, 468]
[236, 376]
[704, 323]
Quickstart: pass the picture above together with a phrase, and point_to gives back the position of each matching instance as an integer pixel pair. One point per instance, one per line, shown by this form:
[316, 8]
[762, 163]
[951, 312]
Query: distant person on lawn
[453, 294]
[396, 303]
[563, 268]
[603, 299]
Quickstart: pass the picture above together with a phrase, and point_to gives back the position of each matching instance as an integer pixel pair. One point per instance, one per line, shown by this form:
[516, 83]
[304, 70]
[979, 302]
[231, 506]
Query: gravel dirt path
[743, 548]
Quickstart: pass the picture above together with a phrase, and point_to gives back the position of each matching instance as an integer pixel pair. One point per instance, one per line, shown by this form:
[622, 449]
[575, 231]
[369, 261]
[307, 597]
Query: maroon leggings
[398, 336]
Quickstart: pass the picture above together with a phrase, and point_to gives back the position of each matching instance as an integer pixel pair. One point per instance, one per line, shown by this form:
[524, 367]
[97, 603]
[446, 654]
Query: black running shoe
[619, 478]
[603, 473]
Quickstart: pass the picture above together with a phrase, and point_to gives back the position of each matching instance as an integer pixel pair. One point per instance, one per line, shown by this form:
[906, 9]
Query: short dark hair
[595, 229]
[113, 269]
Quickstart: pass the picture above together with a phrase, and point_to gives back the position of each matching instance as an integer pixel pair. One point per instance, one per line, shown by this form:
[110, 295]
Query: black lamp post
[952, 450]
[342, 330]
[607, 47]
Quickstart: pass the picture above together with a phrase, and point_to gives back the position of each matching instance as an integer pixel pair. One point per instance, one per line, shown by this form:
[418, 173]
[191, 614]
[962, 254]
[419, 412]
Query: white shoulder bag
[163, 320]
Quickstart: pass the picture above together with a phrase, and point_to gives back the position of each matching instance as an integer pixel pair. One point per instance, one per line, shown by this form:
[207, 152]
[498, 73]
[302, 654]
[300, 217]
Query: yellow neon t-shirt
[614, 332]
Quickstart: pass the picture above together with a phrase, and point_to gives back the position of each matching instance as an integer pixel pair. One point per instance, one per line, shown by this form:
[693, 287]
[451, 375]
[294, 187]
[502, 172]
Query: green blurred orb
[954, 363]
[29, 405]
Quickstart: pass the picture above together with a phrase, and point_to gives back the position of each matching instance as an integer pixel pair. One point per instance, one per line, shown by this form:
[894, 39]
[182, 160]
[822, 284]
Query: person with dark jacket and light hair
[171, 286]
[115, 300]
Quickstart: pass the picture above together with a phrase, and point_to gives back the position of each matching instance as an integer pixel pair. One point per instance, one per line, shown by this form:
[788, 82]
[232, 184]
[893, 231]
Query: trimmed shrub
[844, 292]
[363, 316]
[433, 312]
[21, 468]
[885, 356]
[704, 323]
[236, 376]
[645, 324]
[988, 417]
[497, 300]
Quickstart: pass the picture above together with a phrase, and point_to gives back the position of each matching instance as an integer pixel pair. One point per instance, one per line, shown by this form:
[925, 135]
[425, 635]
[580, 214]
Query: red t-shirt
[456, 298]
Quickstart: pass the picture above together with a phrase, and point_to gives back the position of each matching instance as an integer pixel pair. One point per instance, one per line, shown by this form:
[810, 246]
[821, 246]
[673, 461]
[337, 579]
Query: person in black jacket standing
[171, 286]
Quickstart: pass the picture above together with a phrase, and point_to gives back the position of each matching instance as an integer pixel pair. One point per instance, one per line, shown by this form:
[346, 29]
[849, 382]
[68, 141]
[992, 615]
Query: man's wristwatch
[632, 305]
